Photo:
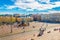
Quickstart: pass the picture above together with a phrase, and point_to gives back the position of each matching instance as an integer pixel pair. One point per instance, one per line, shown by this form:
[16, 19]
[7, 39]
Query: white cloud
[10, 7]
[9, 13]
[57, 4]
[53, 11]
[5, 13]
[47, 1]
[23, 5]
[27, 0]
[34, 5]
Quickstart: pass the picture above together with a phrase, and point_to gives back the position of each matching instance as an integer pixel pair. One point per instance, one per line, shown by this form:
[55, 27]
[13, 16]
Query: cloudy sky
[29, 6]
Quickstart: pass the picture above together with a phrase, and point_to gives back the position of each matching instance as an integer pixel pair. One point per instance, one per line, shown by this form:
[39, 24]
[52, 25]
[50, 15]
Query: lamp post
[11, 23]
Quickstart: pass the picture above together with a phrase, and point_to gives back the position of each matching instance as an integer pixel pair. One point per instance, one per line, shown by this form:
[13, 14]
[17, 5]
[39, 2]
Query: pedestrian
[59, 29]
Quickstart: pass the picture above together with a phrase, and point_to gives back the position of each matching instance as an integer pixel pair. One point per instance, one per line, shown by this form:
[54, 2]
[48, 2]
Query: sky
[29, 6]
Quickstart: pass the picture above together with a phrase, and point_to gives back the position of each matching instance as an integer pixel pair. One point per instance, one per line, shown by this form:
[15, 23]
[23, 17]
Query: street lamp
[11, 23]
